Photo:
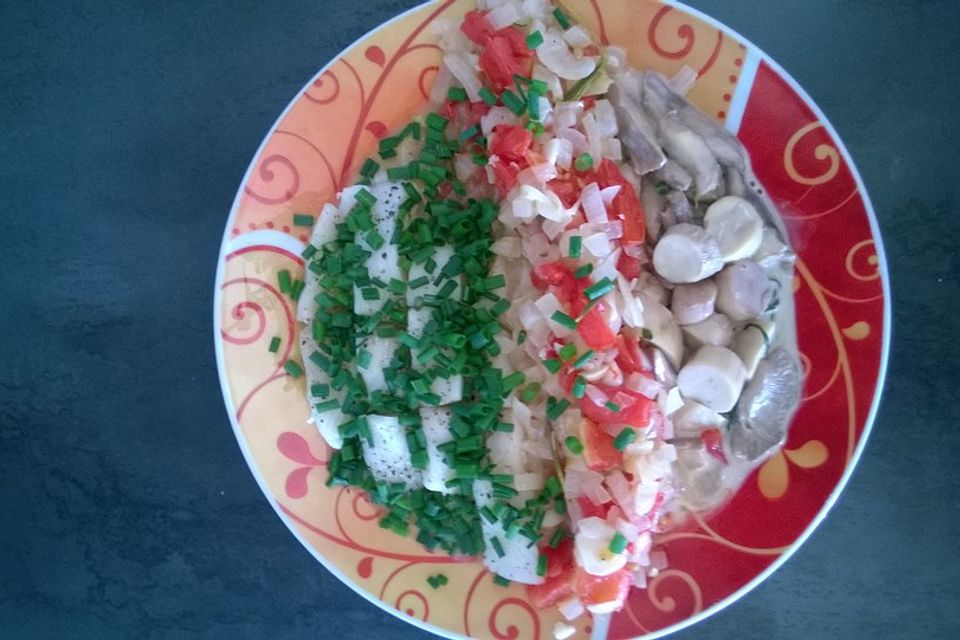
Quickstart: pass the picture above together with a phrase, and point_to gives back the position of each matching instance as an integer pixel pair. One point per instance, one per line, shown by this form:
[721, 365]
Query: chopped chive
[534, 40]
[494, 282]
[598, 289]
[370, 293]
[583, 271]
[495, 543]
[512, 102]
[432, 582]
[416, 283]
[561, 18]
[397, 287]
[574, 445]
[365, 197]
[302, 220]
[576, 246]
[557, 538]
[284, 280]
[564, 320]
[512, 381]
[308, 252]
[369, 168]
[558, 408]
[618, 543]
[374, 239]
[436, 121]
[531, 392]
[542, 562]
[552, 365]
[296, 288]
[468, 133]
[320, 390]
[487, 96]
[479, 159]
[552, 486]
[646, 334]
[293, 369]
[624, 438]
[364, 358]
[446, 289]
[584, 162]
[579, 387]
[457, 94]
[583, 359]
[400, 173]
[533, 107]
[274, 345]
[500, 581]
[326, 405]
[500, 307]
[567, 351]
[521, 337]
[612, 406]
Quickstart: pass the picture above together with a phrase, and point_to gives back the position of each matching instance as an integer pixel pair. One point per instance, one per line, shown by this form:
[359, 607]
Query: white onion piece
[508, 247]
[496, 116]
[577, 139]
[606, 268]
[612, 228]
[643, 385]
[620, 490]
[551, 149]
[566, 113]
[571, 608]
[564, 154]
[577, 37]
[528, 482]
[503, 16]
[463, 68]
[441, 83]
[596, 395]
[556, 56]
[553, 84]
[529, 315]
[592, 203]
[543, 172]
[607, 194]
[612, 148]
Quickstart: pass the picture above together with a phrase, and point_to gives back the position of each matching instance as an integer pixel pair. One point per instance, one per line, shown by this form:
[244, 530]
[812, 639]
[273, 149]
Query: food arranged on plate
[553, 316]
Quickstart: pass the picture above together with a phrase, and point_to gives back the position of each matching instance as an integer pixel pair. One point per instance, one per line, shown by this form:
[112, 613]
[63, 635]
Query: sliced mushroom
[716, 330]
[637, 133]
[768, 403]
[743, 290]
[692, 153]
[687, 253]
[692, 303]
[661, 329]
[714, 377]
[752, 342]
[736, 225]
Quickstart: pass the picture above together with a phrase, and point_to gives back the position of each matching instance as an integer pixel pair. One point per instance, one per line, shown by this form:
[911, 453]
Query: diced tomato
[551, 274]
[464, 114]
[566, 189]
[713, 441]
[588, 102]
[594, 330]
[628, 266]
[505, 175]
[552, 591]
[628, 354]
[476, 27]
[598, 451]
[636, 415]
[559, 559]
[500, 60]
[511, 142]
[598, 590]
[590, 510]
[626, 206]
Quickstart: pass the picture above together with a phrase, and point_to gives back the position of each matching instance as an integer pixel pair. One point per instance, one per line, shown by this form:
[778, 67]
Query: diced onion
[609, 193]
[577, 37]
[556, 56]
[463, 68]
[592, 204]
[503, 16]
[639, 383]
[571, 608]
[596, 395]
[598, 245]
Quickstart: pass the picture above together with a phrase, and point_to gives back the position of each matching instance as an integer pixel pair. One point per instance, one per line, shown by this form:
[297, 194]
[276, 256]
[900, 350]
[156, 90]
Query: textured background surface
[127, 508]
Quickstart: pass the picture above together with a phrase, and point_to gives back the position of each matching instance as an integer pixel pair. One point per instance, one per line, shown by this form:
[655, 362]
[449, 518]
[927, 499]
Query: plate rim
[832, 498]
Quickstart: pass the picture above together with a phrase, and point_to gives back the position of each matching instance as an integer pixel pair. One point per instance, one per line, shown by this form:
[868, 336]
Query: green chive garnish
[583, 271]
[582, 360]
[624, 438]
[512, 102]
[618, 543]
[557, 409]
[284, 280]
[542, 561]
[500, 581]
[274, 344]
[302, 220]
[457, 94]
[561, 18]
[553, 486]
[584, 162]
[579, 387]
[598, 289]
[567, 351]
[576, 246]
[553, 365]
[534, 40]
[574, 445]
[293, 369]
[327, 405]
[564, 321]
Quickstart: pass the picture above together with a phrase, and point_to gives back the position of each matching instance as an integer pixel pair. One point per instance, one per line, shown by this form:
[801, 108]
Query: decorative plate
[842, 298]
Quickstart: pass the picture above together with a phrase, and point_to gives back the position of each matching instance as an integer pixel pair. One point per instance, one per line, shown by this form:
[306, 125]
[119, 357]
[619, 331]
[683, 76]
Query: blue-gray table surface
[127, 509]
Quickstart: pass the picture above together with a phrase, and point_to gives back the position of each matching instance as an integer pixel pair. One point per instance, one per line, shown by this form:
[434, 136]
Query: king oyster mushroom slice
[716, 330]
[662, 330]
[692, 303]
[637, 132]
[714, 377]
[744, 290]
[692, 153]
[766, 406]
[686, 253]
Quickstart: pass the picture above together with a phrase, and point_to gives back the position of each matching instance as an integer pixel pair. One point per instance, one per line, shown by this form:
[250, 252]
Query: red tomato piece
[626, 206]
[713, 441]
[552, 591]
[476, 27]
[590, 510]
[598, 590]
[551, 274]
[559, 559]
[500, 63]
[636, 415]
[594, 330]
[628, 354]
[505, 175]
[511, 142]
[566, 189]
[598, 451]
[628, 266]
